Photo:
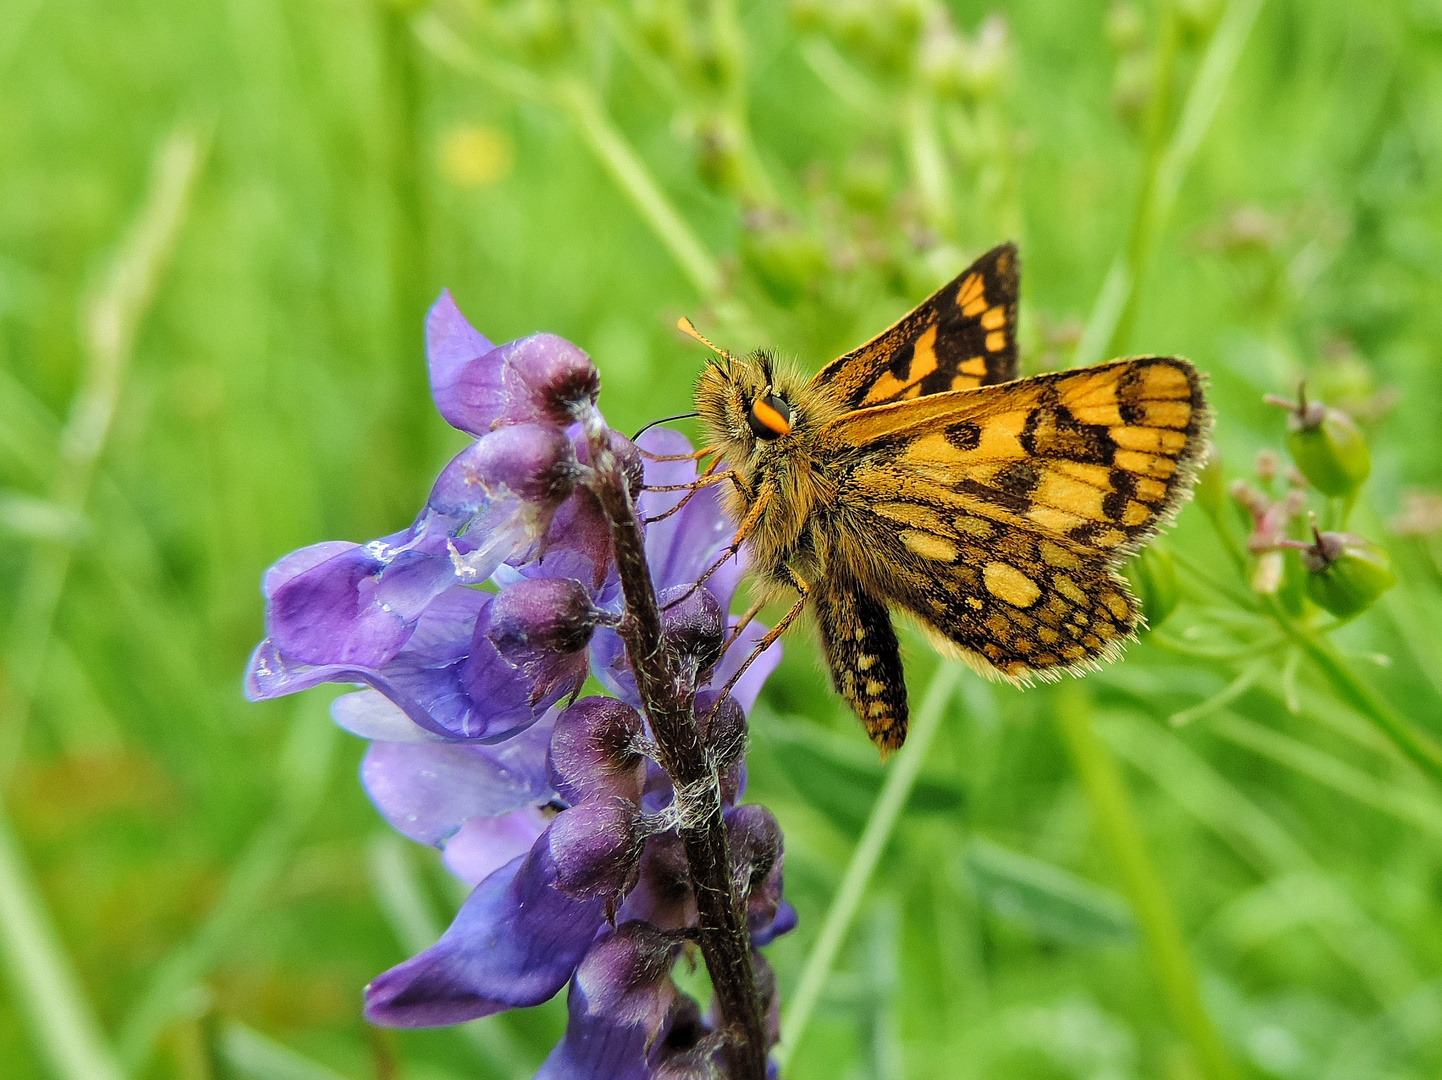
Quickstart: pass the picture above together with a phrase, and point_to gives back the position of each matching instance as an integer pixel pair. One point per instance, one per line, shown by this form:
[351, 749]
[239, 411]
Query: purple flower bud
[593, 752]
[535, 463]
[548, 379]
[540, 616]
[662, 895]
[723, 728]
[597, 847]
[755, 844]
[692, 625]
[621, 1003]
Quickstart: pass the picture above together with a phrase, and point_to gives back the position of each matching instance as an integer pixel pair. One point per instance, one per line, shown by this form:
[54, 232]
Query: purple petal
[427, 790]
[662, 895]
[620, 1006]
[465, 377]
[355, 608]
[369, 714]
[485, 844]
[515, 942]
[301, 560]
[547, 380]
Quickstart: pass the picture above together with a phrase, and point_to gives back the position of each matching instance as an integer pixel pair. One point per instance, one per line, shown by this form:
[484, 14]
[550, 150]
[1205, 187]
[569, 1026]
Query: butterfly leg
[752, 519]
[741, 624]
[775, 632]
[864, 658]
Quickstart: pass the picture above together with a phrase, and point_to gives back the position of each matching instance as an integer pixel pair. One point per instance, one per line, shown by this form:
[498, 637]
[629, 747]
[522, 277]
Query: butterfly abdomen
[865, 661]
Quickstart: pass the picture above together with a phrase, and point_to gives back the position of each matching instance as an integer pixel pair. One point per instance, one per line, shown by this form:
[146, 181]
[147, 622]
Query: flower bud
[1326, 445]
[754, 841]
[534, 462]
[593, 752]
[1345, 573]
[597, 848]
[537, 617]
[631, 961]
[548, 379]
[693, 627]
[723, 728]
[1153, 577]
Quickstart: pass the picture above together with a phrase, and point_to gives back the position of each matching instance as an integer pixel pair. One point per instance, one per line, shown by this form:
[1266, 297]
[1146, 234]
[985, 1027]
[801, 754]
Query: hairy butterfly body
[917, 472]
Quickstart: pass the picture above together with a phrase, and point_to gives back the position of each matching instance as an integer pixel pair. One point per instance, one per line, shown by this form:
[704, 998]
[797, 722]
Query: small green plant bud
[1153, 577]
[1345, 573]
[1326, 445]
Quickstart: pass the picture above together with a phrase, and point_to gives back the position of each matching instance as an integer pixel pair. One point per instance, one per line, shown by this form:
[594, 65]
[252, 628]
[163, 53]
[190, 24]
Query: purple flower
[471, 633]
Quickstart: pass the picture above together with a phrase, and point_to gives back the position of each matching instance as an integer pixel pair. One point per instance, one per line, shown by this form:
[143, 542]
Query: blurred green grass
[350, 168]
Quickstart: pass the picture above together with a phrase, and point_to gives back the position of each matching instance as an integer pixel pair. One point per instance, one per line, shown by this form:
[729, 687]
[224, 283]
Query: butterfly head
[750, 406]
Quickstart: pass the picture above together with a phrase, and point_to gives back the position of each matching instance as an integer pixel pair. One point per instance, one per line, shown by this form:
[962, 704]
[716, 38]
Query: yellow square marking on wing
[936, 548]
[993, 318]
[1098, 476]
[1118, 606]
[1145, 464]
[1049, 517]
[863, 663]
[996, 341]
[1136, 513]
[1150, 490]
[1068, 588]
[1165, 381]
[923, 363]
[1107, 414]
[1154, 440]
[1168, 414]
[1109, 538]
[1055, 555]
[970, 525]
[1070, 495]
[873, 687]
[975, 366]
[971, 289]
[860, 633]
[1008, 584]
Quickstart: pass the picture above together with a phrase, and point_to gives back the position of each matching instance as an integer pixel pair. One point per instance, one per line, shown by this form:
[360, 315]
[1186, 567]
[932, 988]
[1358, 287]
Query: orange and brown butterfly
[919, 473]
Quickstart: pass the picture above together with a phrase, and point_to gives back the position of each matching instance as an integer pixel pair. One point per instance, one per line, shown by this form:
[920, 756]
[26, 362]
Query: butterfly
[918, 474]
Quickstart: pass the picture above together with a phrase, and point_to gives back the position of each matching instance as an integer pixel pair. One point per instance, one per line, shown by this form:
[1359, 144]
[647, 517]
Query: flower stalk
[721, 930]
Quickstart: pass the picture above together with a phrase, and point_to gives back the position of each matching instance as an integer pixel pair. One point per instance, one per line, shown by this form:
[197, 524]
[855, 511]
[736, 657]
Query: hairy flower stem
[721, 925]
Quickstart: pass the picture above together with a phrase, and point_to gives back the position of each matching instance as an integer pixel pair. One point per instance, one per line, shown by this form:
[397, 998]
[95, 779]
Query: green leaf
[1050, 902]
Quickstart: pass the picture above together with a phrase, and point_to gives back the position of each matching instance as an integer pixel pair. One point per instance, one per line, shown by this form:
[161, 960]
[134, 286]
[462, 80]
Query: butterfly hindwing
[962, 336]
[998, 516]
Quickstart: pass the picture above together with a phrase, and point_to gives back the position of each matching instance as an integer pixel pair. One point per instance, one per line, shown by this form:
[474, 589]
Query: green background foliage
[1211, 859]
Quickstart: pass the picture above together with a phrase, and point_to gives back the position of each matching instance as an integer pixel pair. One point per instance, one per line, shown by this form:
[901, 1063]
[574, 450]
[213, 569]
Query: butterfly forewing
[962, 336]
[998, 516]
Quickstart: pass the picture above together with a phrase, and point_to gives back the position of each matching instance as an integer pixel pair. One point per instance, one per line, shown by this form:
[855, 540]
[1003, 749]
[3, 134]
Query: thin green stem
[616, 155]
[1419, 747]
[1109, 325]
[1116, 818]
[62, 1023]
[109, 324]
[879, 826]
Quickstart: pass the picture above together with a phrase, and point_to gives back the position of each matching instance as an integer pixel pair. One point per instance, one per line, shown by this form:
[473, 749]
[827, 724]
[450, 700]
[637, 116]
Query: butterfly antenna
[664, 420]
[687, 327]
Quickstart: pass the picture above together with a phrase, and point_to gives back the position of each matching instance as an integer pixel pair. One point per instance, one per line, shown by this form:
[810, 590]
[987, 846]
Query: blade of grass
[1109, 325]
[61, 1021]
[108, 327]
[304, 770]
[869, 848]
[1116, 818]
[255, 1057]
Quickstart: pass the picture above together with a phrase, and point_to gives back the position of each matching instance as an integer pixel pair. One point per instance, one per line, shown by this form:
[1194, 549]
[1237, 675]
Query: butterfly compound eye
[770, 418]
